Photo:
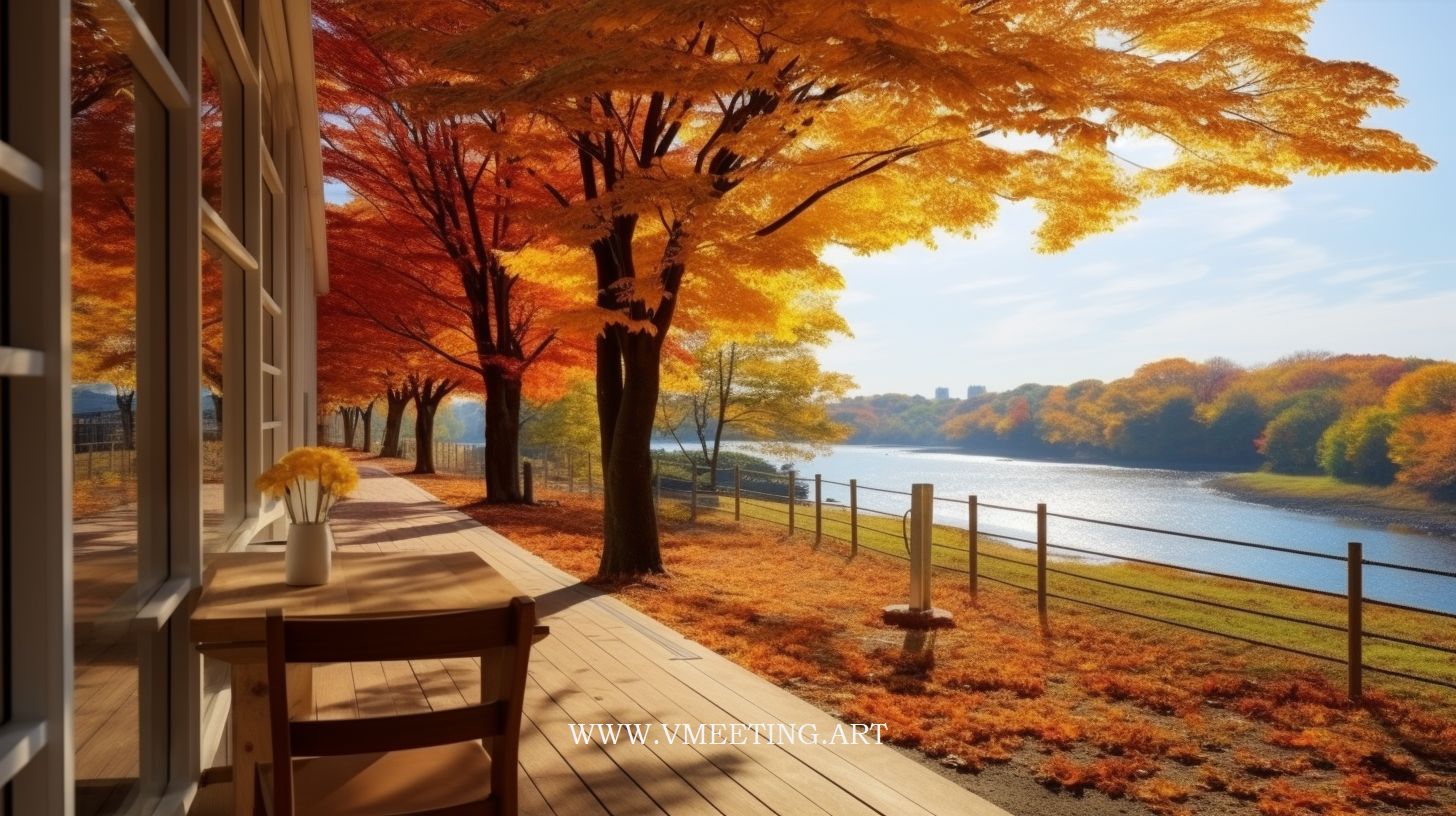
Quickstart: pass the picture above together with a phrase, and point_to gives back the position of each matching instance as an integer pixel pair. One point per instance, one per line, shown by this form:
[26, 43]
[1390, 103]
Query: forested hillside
[1372, 419]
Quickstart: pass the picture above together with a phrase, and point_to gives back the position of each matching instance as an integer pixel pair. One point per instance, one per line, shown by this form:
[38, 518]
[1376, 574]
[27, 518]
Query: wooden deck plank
[371, 690]
[333, 692]
[404, 688]
[613, 787]
[670, 784]
[785, 785]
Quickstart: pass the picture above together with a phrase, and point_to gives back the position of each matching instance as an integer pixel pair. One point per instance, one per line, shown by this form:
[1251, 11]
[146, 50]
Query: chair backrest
[500, 637]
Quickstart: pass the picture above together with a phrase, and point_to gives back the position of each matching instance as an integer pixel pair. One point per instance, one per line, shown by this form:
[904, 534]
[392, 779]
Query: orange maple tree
[103, 185]
[730, 141]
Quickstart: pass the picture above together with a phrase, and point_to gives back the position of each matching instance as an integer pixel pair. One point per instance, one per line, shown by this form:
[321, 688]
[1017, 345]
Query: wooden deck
[104, 578]
[105, 691]
[607, 663]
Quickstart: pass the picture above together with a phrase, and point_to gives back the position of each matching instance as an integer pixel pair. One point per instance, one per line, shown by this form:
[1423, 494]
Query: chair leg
[260, 796]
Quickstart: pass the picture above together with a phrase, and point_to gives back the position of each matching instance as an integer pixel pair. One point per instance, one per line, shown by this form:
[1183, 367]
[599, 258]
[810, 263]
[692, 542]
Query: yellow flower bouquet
[331, 473]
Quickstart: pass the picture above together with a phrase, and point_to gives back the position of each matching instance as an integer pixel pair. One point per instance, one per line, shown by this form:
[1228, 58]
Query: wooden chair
[427, 764]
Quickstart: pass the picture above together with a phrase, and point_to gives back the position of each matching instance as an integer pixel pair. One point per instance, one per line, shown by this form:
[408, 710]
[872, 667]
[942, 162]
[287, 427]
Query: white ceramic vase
[308, 556]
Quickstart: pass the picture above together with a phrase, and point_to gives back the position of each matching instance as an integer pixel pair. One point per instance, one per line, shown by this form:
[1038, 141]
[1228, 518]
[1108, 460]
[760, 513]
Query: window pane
[214, 529]
[212, 150]
[107, 215]
[215, 413]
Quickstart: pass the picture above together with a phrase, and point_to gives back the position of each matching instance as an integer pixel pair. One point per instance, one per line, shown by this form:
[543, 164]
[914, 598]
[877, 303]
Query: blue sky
[1360, 263]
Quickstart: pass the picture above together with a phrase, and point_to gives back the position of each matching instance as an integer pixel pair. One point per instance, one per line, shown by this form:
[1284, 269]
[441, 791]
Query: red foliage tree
[439, 227]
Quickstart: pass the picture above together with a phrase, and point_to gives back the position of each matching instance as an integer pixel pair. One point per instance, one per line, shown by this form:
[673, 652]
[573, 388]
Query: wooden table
[239, 588]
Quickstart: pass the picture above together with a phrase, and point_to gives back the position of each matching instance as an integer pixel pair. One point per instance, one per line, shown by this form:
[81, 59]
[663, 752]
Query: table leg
[250, 730]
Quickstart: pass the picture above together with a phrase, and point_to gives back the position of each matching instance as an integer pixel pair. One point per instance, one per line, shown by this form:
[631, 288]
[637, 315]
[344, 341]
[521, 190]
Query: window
[215, 525]
[112, 206]
[210, 114]
[178, 388]
[34, 488]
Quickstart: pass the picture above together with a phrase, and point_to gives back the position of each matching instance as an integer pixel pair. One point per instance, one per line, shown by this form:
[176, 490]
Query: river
[1147, 497]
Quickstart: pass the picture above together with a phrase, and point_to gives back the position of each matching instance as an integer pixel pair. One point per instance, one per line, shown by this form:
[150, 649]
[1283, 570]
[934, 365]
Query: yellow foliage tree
[728, 142]
[1423, 443]
[770, 391]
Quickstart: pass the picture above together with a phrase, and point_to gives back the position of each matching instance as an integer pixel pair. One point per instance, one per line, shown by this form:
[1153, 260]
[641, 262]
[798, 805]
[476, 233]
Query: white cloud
[980, 284]
[1286, 257]
[1176, 275]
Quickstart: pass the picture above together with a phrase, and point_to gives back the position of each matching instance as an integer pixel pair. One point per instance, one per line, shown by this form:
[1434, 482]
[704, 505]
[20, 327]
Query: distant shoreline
[1139, 464]
[1381, 506]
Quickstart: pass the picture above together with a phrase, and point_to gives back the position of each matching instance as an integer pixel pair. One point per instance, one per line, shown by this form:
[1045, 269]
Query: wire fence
[1365, 635]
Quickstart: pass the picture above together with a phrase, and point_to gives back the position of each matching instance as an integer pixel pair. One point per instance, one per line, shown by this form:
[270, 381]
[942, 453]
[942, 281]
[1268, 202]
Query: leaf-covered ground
[1108, 715]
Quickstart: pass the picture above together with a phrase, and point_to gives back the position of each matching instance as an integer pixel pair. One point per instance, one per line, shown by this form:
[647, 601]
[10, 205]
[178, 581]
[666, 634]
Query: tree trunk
[350, 419]
[424, 436]
[630, 545]
[428, 397]
[126, 405]
[502, 438]
[368, 415]
[395, 403]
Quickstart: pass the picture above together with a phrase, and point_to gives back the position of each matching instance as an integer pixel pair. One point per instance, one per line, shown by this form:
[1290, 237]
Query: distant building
[975, 391]
[942, 393]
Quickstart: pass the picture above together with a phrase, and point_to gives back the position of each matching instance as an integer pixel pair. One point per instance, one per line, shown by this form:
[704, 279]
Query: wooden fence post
[570, 473]
[792, 498]
[1041, 567]
[818, 509]
[693, 506]
[528, 491]
[1355, 596]
[973, 552]
[922, 509]
[853, 517]
[737, 493]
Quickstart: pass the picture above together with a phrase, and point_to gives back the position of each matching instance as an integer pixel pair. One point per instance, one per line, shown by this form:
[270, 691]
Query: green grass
[1331, 490]
[883, 535]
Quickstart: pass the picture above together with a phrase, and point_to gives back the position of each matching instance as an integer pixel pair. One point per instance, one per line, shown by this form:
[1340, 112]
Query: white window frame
[37, 764]
[36, 760]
